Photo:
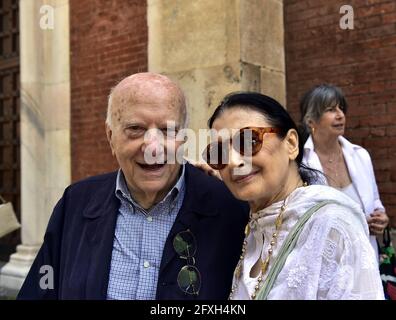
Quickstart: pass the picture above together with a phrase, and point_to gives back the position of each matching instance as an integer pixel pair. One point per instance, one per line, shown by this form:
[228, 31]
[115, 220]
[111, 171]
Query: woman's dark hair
[315, 102]
[274, 113]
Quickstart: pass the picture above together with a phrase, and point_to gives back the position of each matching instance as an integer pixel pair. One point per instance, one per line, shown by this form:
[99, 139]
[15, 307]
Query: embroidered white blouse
[332, 259]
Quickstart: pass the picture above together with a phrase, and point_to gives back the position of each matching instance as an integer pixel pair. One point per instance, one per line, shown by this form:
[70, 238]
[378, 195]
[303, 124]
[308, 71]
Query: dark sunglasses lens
[216, 155]
[247, 142]
[189, 280]
[184, 244]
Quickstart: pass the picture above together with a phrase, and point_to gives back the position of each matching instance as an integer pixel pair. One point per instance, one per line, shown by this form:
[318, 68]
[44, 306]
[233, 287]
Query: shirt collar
[122, 191]
[309, 143]
[348, 146]
[345, 144]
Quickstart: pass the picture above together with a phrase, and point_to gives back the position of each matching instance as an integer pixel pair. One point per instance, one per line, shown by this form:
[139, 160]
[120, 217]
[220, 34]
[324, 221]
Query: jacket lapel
[101, 217]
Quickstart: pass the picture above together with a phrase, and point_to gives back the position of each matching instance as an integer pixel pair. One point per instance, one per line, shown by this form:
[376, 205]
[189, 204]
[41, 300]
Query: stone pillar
[45, 127]
[262, 47]
[214, 47]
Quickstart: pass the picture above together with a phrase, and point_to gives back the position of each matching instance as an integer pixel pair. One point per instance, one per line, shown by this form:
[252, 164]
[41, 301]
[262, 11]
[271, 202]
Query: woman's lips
[244, 178]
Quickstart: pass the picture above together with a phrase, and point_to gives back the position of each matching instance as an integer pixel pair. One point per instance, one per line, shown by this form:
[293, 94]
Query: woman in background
[346, 166]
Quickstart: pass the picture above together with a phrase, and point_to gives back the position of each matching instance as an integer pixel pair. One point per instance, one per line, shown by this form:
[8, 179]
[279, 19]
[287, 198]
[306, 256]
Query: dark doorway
[9, 117]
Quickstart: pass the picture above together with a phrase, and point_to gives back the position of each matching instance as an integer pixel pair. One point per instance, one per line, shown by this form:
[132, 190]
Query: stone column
[262, 48]
[214, 47]
[45, 126]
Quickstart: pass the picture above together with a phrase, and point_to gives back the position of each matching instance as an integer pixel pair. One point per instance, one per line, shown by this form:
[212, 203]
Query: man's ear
[109, 135]
[292, 143]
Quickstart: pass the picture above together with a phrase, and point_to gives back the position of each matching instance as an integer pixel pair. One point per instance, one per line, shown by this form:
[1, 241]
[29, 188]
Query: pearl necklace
[265, 263]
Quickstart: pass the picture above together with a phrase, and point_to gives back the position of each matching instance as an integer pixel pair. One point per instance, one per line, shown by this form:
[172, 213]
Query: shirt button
[146, 264]
[149, 218]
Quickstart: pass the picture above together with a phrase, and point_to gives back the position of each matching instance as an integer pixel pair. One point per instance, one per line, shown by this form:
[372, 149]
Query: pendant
[264, 266]
[238, 271]
[247, 230]
[278, 221]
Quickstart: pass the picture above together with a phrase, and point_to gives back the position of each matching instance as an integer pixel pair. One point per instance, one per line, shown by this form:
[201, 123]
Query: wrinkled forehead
[155, 91]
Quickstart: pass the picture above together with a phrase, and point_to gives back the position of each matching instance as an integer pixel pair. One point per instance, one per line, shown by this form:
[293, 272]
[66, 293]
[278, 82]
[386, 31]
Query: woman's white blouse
[352, 193]
[332, 259]
[361, 171]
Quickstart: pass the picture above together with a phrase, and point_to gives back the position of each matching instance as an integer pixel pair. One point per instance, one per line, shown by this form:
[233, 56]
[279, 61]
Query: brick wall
[361, 61]
[108, 41]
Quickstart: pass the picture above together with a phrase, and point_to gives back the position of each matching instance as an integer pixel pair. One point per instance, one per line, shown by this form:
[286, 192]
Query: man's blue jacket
[79, 238]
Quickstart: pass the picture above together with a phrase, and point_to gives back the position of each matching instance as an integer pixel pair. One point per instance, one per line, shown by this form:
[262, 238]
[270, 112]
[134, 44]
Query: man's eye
[135, 130]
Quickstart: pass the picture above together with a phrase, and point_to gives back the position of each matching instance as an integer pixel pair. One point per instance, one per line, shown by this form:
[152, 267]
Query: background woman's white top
[332, 259]
[361, 172]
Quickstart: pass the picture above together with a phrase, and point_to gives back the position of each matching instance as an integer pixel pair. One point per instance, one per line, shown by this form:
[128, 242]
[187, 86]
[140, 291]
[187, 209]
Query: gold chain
[265, 263]
[336, 157]
[336, 169]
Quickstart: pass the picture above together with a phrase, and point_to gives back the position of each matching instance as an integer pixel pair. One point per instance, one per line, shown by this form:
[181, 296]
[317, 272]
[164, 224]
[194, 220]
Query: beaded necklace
[265, 263]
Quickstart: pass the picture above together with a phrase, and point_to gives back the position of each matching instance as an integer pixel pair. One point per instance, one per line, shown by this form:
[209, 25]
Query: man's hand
[377, 222]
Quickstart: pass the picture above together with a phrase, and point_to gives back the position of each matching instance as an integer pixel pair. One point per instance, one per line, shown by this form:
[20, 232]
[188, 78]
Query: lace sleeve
[332, 260]
[348, 267]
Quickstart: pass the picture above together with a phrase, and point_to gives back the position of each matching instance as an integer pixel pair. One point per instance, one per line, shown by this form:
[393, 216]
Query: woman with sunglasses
[302, 241]
[347, 166]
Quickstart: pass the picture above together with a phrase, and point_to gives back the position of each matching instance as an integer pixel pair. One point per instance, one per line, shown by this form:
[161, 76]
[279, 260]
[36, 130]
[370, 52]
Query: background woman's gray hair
[314, 103]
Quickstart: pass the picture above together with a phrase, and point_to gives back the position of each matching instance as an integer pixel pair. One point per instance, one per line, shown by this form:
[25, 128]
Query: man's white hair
[109, 103]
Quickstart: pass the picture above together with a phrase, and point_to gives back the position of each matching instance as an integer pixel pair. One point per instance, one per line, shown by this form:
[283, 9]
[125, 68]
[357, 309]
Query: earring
[312, 130]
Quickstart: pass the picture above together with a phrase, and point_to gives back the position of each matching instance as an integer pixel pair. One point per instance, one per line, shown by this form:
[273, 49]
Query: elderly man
[150, 230]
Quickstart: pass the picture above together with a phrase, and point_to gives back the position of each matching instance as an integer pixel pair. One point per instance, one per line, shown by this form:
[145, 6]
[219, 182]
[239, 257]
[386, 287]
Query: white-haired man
[149, 230]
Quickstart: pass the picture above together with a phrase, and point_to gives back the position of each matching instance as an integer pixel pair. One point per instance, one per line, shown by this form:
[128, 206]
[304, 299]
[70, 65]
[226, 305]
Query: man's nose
[153, 143]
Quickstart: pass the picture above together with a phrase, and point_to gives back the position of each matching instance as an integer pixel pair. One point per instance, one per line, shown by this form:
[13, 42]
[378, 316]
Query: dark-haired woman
[302, 242]
[346, 166]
